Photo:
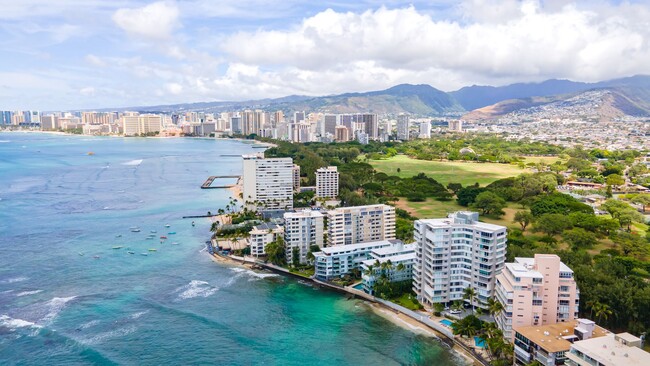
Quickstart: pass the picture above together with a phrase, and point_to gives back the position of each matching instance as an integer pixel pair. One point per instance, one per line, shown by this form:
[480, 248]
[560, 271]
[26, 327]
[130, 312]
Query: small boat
[163, 237]
[118, 247]
[91, 153]
[96, 257]
[130, 252]
[135, 230]
[171, 233]
[145, 254]
[81, 254]
[149, 237]
[118, 236]
[192, 223]
[175, 243]
[153, 231]
[153, 249]
[167, 225]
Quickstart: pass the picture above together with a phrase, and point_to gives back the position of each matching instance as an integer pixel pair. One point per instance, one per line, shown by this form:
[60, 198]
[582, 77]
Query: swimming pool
[359, 286]
[447, 322]
[479, 342]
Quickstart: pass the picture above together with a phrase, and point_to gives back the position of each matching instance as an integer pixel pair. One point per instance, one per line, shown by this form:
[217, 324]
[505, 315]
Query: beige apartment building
[327, 182]
[358, 224]
[536, 291]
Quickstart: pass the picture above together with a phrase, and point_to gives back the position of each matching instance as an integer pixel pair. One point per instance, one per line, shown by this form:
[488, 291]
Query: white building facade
[327, 182]
[268, 182]
[455, 253]
[337, 261]
[262, 235]
[395, 262]
[302, 230]
[350, 225]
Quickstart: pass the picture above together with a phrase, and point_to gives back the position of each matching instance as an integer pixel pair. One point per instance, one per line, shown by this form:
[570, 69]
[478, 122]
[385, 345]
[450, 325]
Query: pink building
[536, 291]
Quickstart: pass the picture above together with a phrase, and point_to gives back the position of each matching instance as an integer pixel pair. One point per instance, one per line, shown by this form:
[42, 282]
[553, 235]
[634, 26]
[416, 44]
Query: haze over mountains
[615, 98]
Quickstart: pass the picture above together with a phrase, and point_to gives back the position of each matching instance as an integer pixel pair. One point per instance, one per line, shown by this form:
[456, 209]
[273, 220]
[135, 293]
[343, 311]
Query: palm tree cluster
[382, 273]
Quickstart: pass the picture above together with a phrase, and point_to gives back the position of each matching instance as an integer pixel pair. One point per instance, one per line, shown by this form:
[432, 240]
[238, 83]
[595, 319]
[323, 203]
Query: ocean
[68, 298]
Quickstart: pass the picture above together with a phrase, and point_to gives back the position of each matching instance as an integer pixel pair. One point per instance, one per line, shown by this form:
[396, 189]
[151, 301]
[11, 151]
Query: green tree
[642, 199]
[552, 224]
[295, 257]
[438, 308]
[523, 218]
[494, 307]
[276, 251]
[454, 187]
[489, 203]
[615, 180]
[579, 238]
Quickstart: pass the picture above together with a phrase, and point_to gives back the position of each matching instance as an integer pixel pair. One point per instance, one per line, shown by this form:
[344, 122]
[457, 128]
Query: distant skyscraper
[329, 124]
[403, 127]
[342, 134]
[425, 130]
[298, 117]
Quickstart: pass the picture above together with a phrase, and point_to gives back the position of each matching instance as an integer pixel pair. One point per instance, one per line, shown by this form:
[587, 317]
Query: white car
[455, 311]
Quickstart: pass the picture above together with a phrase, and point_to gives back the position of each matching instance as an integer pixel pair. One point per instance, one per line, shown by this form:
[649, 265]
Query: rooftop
[550, 337]
[608, 351]
[352, 247]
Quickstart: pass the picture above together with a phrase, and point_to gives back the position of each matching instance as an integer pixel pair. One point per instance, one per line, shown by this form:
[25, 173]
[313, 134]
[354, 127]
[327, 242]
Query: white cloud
[155, 21]
[95, 60]
[405, 44]
[87, 91]
[174, 88]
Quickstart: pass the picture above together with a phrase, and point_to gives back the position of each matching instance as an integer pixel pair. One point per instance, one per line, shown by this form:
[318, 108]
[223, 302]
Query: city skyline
[99, 54]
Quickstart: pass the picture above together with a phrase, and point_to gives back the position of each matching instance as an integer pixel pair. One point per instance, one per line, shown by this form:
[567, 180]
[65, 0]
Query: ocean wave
[194, 289]
[89, 324]
[13, 324]
[14, 280]
[138, 314]
[25, 293]
[120, 332]
[54, 307]
[253, 274]
[4, 141]
[133, 162]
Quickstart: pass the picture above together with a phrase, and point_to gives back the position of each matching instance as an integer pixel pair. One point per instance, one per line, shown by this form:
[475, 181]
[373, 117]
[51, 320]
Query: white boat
[167, 225]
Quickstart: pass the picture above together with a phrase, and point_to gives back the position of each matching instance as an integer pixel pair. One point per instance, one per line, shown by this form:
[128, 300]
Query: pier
[208, 182]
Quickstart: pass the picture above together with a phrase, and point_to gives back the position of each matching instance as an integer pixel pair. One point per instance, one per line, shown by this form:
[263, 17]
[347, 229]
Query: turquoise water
[479, 342]
[447, 322]
[59, 305]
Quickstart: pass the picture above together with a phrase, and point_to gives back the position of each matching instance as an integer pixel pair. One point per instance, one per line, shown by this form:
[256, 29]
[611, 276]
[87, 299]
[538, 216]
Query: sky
[86, 54]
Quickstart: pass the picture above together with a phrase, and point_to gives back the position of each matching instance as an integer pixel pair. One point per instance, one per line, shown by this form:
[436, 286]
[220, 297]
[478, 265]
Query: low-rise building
[549, 344]
[622, 349]
[536, 291]
[263, 234]
[395, 263]
[339, 260]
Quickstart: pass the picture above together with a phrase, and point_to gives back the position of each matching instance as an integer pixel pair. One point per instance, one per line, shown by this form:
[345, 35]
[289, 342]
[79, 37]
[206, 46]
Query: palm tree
[495, 307]
[602, 311]
[400, 267]
[370, 270]
[470, 294]
[457, 305]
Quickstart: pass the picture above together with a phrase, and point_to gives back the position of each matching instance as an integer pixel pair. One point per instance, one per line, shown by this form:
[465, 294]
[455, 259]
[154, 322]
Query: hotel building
[302, 230]
[268, 182]
[455, 253]
[357, 224]
[536, 291]
[327, 182]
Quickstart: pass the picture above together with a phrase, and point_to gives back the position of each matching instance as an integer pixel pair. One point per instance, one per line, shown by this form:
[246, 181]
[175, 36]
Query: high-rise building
[236, 124]
[357, 224]
[425, 130]
[138, 124]
[403, 127]
[327, 182]
[536, 291]
[302, 230]
[49, 122]
[455, 253]
[371, 125]
[455, 125]
[298, 117]
[268, 183]
[296, 177]
[342, 134]
[278, 117]
[329, 124]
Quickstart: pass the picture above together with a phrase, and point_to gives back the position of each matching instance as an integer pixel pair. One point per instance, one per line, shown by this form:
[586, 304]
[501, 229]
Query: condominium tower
[536, 291]
[351, 225]
[302, 230]
[455, 253]
[327, 182]
[268, 182]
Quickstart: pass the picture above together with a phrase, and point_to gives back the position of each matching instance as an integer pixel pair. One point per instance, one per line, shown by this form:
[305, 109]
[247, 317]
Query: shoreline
[397, 318]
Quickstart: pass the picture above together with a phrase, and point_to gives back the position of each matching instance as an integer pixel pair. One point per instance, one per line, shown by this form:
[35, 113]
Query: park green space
[465, 173]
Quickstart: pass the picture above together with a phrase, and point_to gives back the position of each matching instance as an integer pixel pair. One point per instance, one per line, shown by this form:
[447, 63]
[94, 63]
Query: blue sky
[83, 54]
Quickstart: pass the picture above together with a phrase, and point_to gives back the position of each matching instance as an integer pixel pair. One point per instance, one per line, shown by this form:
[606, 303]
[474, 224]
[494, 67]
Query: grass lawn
[445, 172]
[408, 301]
[544, 159]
